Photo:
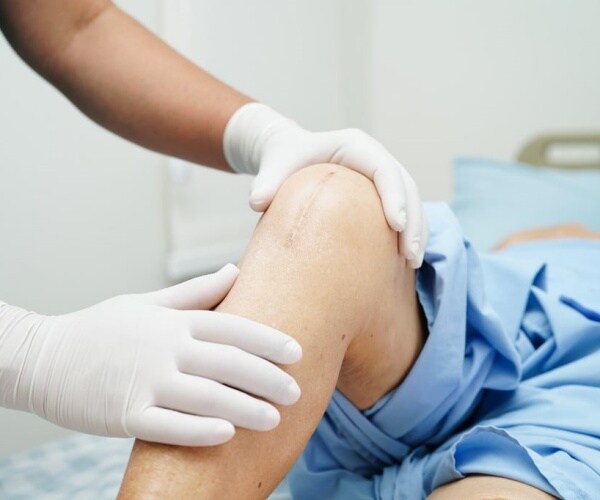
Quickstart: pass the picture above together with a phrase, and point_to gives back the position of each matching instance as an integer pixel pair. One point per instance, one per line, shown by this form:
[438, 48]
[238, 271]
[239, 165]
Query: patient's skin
[324, 267]
[479, 487]
[561, 231]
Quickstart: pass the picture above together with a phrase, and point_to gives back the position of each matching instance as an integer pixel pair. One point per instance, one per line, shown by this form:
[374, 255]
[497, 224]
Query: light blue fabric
[493, 199]
[507, 384]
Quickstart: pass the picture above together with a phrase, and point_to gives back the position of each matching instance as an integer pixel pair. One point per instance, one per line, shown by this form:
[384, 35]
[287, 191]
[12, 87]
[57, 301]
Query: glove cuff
[246, 132]
[18, 353]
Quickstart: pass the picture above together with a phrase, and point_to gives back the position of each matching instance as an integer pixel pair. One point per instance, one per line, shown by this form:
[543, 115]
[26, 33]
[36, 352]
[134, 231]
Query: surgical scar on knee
[301, 217]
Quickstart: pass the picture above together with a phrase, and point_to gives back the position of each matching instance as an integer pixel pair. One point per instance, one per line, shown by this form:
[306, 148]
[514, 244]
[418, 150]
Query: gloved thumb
[204, 292]
[265, 186]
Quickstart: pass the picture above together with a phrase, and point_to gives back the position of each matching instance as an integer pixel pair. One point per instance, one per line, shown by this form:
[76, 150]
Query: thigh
[483, 487]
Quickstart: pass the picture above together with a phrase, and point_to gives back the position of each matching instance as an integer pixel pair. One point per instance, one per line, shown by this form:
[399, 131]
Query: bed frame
[538, 151]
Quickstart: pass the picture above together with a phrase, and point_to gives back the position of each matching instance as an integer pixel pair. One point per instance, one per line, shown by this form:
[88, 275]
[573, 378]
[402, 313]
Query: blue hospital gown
[507, 383]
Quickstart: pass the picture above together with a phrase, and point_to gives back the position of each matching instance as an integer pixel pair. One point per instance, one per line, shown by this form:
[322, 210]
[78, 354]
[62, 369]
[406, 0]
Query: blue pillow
[493, 198]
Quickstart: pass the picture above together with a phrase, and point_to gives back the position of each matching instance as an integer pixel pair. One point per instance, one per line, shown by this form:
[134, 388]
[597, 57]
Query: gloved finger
[160, 425]
[424, 237]
[266, 184]
[411, 237]
[392, 192]
[248, 335]
[203, 292]
[236, 368]
[364, 154]
[204, 397]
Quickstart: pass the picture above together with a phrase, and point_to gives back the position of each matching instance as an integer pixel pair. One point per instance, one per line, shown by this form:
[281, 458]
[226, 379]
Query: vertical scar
[296, 227]
[398, 241]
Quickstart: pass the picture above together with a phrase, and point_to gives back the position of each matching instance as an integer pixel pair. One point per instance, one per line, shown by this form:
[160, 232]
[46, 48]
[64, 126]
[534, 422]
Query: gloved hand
[149, 365]
[258, 140]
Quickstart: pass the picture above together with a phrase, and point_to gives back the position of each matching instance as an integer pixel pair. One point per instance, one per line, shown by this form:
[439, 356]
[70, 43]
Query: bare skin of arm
[561, 231]
[324, 267]
[122, 76]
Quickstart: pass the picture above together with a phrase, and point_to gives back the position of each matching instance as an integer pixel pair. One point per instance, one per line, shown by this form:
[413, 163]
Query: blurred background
[85, 215]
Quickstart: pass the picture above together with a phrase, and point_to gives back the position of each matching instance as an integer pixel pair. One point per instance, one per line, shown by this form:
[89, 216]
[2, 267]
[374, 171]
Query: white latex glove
[260, 141]
[150, 366]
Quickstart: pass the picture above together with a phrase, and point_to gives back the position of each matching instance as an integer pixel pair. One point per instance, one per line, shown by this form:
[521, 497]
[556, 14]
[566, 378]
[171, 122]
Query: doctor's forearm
[124, 77]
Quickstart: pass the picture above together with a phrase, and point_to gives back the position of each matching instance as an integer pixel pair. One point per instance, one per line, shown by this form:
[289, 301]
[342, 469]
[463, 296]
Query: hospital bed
[491, 199]
[555, 180]
[78, 468]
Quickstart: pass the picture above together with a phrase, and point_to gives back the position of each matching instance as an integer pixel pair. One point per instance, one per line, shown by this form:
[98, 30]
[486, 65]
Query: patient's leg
[322, 266]
[480, 487]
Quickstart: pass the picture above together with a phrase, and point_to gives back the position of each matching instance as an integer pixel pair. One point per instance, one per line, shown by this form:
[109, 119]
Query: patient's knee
[332, 220]
[330, 203]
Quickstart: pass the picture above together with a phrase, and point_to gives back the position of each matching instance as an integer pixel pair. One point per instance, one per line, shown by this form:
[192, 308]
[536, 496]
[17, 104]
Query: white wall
[81, 211]
[472, 77]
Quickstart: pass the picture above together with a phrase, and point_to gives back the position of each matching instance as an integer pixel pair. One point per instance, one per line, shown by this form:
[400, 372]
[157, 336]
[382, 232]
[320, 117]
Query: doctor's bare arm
[123, 76]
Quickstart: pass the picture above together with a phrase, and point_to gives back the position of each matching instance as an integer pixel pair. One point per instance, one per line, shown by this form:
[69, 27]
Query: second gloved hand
[151, 366]
[260, 141]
